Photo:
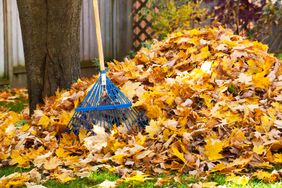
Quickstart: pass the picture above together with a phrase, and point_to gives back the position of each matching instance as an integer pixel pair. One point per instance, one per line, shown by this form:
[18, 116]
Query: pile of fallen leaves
[214, 103]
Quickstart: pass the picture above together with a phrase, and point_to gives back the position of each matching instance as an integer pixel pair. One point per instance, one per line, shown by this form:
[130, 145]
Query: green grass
[78, 183]
[98, 177]
[101, 176]
[95, 178]
[218, 178]
[5, 171]
[146, 184]
[17, 106]
[279, 56]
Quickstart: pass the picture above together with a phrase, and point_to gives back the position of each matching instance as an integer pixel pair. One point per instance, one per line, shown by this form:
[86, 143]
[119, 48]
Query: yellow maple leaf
[116, 145]
[212, 149]
[14, 117]
[277, 106]
[208, 99]
[240, 180]
[259, 45]
[219, 167]
[204, 53]
[143, 58]
[44, 121]
[138, 177]
[52, 163]
[25, 127]
[153, 129]
[260, 80]
[230, 43]
[65, 118]
[60, 152]
[208, 184]
[64, 177]
[253, 68]
[129, 89]
[193, 32]
[14, 180]
[119, 158]
[232, 117]
[265, 176]
[154, 111]
[278, 157]
[166, 134]
[266, 122]
[259, 149]
[17, 158]
[177, 153]
[140, 139]
[170, 100]
[3, 155]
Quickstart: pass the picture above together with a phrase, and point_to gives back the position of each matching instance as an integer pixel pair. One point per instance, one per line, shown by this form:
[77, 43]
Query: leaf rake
[105, 105]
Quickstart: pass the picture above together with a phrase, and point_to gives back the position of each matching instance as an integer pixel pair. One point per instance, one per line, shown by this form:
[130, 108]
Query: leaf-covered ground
[214, 103]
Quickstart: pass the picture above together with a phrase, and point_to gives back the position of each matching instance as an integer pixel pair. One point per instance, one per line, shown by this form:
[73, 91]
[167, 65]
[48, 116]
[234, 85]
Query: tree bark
[51, 39]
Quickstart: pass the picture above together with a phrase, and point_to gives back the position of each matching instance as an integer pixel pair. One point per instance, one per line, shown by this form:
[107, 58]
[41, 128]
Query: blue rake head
[105, 105]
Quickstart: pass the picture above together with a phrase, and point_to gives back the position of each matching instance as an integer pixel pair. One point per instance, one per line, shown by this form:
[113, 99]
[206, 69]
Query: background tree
[51, 39]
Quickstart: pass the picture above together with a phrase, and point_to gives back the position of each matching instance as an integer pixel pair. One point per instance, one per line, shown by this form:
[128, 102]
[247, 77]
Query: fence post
[2, 55]
[7, 42]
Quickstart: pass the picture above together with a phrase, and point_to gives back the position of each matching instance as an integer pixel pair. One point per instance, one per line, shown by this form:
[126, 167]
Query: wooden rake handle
[98, 34]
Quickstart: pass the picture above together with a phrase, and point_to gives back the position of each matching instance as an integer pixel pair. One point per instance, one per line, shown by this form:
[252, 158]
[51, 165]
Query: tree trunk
[51, 40]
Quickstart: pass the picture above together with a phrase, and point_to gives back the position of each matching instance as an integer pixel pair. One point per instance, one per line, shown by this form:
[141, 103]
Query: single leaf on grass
[107, 184]
[138, 177]
[240, 180]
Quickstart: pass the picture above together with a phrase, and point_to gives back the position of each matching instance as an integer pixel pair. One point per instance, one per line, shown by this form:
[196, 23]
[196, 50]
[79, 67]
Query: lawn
[95, 178]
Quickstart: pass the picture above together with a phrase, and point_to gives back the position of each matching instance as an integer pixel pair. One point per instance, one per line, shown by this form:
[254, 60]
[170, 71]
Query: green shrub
[168, 16]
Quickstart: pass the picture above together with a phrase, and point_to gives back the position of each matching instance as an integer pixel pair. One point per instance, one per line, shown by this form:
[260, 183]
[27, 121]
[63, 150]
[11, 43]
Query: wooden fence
[116, 25]
[2, 67]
